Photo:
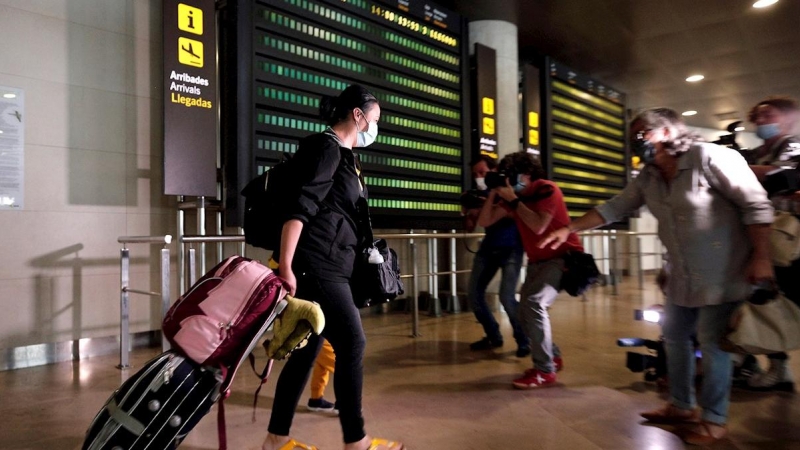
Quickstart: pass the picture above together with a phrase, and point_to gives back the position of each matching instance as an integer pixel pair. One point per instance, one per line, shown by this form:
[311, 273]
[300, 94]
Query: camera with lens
[653, 363]
[472, 199]
[498, 179]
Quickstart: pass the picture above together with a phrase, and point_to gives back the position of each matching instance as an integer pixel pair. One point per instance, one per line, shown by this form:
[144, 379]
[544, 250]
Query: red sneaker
[558, 363]
[535, 379]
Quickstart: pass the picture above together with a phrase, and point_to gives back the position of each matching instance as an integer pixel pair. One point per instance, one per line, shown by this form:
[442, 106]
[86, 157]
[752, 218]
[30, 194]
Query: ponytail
[333, 110]
[327, 109]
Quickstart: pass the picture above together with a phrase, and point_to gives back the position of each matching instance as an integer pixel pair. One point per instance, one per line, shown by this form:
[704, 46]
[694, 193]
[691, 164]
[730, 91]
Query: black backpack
[580, 273]
[266, 206]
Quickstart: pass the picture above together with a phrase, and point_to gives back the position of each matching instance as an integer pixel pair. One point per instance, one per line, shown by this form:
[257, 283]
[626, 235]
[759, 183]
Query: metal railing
[609, 255]
[613, 256]
[126, 290]
[415, 275]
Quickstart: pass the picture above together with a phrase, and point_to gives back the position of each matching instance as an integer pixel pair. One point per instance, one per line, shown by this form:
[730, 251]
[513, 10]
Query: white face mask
[480, 183]
[366, 138]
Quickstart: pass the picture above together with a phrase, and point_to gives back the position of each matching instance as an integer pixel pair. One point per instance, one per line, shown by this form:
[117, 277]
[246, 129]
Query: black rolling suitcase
[156, 407]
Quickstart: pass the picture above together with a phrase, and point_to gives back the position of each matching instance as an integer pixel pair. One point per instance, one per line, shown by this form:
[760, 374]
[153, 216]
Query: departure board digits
[409, 54]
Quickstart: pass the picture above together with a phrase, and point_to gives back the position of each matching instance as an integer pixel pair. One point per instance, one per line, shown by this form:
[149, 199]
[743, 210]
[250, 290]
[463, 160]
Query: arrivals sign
[190, 98]
[531, 109]
[485, 89]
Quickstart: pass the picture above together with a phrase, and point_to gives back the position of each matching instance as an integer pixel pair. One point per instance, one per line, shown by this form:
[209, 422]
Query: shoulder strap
[775, 151]
[365, 220]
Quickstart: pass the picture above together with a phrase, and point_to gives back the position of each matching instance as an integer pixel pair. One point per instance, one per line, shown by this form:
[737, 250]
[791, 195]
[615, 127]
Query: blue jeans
[540, 290]
[484, 267]
[709, 323]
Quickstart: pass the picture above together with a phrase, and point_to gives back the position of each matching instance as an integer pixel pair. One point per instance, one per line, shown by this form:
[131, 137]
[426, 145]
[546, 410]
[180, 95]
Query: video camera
[498, 179]
[780, 181]
[654, 363]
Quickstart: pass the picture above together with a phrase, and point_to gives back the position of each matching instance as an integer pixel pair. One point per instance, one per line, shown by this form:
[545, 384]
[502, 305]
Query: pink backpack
[220, 319]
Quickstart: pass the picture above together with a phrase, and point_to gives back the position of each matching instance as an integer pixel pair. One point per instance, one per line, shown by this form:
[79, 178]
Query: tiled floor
[432, 392]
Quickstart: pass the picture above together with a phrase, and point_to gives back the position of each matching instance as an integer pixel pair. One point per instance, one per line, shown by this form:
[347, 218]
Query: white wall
[90, 70]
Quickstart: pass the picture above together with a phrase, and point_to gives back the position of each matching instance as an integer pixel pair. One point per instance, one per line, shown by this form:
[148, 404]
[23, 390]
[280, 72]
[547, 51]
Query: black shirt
[328, 205]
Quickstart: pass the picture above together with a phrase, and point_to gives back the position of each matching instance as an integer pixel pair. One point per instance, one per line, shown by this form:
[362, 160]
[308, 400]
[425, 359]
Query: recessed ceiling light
[764, 3]
[9, 95]
[694, 78]
[689, 113]
[738, 129]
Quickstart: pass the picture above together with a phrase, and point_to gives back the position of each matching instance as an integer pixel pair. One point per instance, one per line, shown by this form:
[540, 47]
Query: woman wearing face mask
[317, 254]
[714, 219]
[537, 206]
[775, 118]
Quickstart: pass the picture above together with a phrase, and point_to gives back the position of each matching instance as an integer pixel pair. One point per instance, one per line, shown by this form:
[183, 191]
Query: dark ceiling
[647, 48]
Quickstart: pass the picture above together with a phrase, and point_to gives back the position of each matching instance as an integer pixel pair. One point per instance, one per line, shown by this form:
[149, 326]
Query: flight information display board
[408, 53]
[586, 137]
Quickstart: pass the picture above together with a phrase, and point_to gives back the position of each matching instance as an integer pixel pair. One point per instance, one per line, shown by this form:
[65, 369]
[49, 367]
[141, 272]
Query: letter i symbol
[190, 19]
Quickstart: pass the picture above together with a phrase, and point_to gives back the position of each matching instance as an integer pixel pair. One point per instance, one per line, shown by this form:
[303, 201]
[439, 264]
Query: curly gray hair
[657, 118]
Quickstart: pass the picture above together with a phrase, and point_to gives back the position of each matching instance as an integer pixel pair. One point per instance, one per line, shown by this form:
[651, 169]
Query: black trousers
[344, 331]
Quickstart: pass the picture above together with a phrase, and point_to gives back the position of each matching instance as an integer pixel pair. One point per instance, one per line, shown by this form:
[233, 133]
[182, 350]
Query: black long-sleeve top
[328, 206]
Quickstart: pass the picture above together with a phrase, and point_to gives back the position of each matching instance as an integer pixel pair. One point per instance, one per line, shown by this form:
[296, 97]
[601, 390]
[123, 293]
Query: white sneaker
[745, 368]
[777, 378]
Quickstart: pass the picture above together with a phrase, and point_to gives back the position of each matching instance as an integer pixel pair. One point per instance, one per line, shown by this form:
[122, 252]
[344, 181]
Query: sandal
[292, 445]
[671, 414]
[379, 444]
[704, 433]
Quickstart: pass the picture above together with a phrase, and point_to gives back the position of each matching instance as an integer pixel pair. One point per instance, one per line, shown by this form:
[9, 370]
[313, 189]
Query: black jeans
[344, 331]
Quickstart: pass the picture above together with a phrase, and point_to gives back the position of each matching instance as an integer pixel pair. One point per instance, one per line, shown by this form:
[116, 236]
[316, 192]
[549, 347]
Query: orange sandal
[377, 444]
[704, 433]
[292, 445]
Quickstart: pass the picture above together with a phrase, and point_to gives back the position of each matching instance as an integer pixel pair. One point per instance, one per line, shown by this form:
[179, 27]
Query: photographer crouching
[500, 249]
[537, 206]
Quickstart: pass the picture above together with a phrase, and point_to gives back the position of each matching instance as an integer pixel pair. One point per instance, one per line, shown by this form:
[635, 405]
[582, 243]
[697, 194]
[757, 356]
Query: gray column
[502, 37]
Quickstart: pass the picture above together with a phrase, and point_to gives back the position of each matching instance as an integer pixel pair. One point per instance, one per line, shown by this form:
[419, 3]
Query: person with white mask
[318, 249]
[714, 220]
[500, 249]
[775, 119]
[537, 206]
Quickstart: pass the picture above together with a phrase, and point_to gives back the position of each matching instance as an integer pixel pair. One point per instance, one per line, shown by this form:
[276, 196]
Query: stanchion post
[640, 261]
[604, 249]
[192, 265]
[414, 291]
[201, 231]
[182, 287]
[612, 254]
[435, 272]
[453, 303]
[219, 233]
[124, 314]
[165, 292]
[435, 306]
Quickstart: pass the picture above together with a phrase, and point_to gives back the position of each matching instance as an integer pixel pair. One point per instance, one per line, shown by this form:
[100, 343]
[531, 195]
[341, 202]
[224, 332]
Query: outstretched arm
[592, 219]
